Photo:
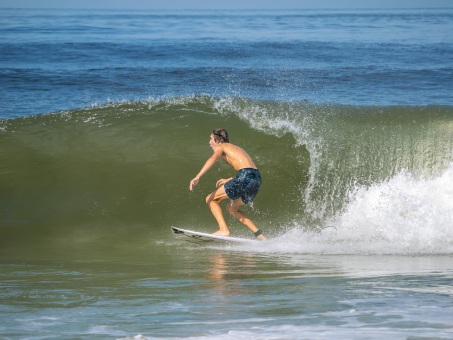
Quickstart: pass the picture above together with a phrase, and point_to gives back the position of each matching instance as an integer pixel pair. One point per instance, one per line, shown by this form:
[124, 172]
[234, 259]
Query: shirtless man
[241, 189]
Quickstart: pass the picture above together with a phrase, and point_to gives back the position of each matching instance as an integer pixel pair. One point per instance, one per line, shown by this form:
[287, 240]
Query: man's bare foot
[261, 237]
[222, 233]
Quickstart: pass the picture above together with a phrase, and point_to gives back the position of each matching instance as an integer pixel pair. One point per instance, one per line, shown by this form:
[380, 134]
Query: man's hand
[222, 181]
[193, 183]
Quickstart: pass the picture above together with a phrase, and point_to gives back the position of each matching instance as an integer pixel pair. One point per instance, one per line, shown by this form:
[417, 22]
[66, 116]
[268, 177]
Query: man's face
[212, 143]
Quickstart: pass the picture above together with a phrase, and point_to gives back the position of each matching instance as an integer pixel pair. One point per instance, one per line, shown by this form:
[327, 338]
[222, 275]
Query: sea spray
[404, 215]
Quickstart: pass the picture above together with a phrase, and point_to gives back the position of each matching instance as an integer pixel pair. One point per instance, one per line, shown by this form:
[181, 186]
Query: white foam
[403, 215]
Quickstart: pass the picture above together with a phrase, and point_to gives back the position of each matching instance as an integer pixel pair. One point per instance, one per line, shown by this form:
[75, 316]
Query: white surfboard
[199, 237]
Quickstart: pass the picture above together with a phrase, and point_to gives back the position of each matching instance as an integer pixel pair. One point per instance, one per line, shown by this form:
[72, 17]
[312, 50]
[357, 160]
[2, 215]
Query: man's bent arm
[208, 165]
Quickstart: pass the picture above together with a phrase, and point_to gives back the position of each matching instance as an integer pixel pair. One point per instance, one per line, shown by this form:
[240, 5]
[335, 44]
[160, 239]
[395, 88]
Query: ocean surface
[105, 117]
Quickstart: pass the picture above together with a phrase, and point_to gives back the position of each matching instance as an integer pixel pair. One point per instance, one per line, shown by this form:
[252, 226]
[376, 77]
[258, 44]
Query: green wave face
[122, 171]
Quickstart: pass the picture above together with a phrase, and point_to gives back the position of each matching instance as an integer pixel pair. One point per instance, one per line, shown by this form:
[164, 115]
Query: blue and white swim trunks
[245, 185]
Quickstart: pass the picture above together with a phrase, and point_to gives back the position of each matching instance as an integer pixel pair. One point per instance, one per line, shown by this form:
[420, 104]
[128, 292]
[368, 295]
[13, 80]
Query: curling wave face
[121, 171]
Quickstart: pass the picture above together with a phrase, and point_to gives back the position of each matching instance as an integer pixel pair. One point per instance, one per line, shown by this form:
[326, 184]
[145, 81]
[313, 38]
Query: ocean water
[105, 117]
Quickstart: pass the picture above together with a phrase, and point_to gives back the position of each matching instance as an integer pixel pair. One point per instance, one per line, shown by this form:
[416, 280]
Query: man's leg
[213, 201]
[233, 209]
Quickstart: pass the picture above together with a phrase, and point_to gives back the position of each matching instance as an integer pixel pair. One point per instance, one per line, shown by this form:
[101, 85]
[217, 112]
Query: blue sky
[222, 4]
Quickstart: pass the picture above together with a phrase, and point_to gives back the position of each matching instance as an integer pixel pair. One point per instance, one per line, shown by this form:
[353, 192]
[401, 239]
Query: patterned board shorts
[245, 185]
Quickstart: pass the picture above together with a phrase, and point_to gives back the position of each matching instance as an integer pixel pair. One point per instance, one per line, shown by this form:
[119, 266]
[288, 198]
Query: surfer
[241, 189]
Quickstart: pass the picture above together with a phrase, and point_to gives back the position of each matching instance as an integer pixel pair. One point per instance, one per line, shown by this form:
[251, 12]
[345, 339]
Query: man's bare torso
[236, 157]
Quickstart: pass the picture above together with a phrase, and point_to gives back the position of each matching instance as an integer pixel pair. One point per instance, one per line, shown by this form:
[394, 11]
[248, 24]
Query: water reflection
[228, 275]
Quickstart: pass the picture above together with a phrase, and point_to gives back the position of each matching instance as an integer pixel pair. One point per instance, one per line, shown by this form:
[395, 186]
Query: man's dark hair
[221, 135]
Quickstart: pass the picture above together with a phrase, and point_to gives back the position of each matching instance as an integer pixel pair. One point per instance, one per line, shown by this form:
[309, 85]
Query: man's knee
[211, 198]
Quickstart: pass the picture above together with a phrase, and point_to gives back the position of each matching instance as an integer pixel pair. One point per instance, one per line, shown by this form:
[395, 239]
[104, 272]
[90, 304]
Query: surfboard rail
[200, 237]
